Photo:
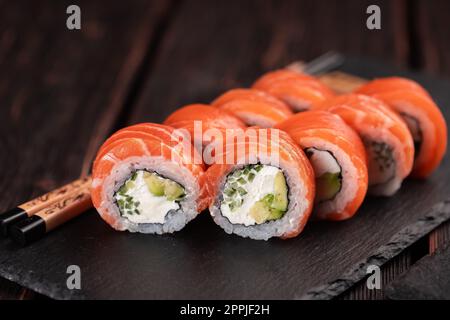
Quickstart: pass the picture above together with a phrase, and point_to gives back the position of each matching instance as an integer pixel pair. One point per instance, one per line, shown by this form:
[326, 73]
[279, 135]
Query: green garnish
[242, 191]
[258, 167]
[242, 180]
[230, 192]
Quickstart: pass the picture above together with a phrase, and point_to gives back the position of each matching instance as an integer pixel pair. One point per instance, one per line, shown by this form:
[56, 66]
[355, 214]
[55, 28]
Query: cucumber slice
[328, 185]
[154, 183]
[280, 201]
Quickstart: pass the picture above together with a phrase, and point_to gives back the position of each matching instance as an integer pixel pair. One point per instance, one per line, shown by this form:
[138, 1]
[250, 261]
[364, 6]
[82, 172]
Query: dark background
[63, 92]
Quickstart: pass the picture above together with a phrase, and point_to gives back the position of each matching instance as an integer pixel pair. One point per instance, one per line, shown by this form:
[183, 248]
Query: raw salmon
[299, 91]
[423, 117]
[388, 142]
[275, 150]
[338, 157]
[139, 146]
[207, 117]
[254, 107]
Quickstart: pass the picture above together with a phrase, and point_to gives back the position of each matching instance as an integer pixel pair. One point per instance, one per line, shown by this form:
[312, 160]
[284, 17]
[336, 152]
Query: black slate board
[427, 279]
[202, 262]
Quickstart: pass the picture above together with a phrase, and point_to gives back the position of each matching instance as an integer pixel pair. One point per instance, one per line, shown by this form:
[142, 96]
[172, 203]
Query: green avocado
[154, 183]
[173, 191]
[264, 210]
[280, 201]
[328, 185]
[260, 211]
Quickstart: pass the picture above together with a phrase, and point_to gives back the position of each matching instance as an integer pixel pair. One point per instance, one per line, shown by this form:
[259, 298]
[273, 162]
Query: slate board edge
[21, 280]
[27, 280]
[396, 290]
[439, 214]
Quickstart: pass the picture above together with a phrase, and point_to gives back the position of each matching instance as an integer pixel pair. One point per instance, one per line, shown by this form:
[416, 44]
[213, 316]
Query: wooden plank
[394, 268]
[204, 54]
[428, 279]
[10, 290]
[62, 90]
[439, 237]
[432, 33]
[390, 271]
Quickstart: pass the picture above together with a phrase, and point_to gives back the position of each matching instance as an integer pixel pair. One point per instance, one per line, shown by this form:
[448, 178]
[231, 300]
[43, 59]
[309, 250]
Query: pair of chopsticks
[31, 220]
[323, 66]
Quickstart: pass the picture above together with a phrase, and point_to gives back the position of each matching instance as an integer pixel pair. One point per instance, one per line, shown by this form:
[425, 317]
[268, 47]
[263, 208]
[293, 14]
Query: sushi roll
[388, 143]
[338, 158]
[266, 191]
[203, 122]
[144, 180]
[254, 107]
[423, 117]
[298, 90]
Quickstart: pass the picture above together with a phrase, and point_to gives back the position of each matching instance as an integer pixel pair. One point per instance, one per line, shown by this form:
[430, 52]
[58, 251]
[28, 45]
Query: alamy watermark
[373, 22]
[374, 280]
[73, 281]
[73, 21]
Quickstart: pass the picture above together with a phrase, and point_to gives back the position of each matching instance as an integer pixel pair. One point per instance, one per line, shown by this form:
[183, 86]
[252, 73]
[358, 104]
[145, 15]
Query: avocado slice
[280, 200]
[260, 211]
[129, 185]
[328, 185]
[276, 214]
[126, 186]
[264, 210]
[172, 190]
[154, 183]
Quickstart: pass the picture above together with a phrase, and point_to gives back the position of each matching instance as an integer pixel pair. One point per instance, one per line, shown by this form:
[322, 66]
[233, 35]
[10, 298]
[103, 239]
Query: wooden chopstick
[342, 82]
[57, 213]
[30, 208]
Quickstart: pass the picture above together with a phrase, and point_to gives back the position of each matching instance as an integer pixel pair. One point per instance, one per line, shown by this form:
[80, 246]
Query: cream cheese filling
[261, 185]
[144, 206]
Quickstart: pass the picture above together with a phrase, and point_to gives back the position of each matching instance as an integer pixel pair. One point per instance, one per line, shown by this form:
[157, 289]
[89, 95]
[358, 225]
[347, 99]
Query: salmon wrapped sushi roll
[388, 143]
[421, 114]
[338, 158]
[299, 91]
[198, 119]
[254, 107]
[145, 180]
[266, 191]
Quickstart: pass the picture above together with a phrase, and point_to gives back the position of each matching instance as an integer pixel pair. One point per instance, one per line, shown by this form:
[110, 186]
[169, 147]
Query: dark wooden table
[62, 92]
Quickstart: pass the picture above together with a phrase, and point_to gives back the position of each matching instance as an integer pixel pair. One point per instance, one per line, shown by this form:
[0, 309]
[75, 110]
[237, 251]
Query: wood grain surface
[202, 55]
[432, 30]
